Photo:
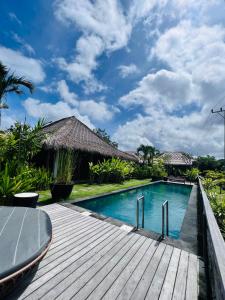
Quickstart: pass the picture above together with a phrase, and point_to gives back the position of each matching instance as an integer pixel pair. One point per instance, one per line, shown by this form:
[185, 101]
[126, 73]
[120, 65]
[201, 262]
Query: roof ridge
[57, 121]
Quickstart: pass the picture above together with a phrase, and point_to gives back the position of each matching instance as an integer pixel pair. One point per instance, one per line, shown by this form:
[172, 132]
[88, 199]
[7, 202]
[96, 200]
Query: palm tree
[149, 152]
[10, 83]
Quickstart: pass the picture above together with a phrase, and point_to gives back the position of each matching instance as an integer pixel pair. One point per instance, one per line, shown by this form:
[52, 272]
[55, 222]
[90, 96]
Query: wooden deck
[92, 259]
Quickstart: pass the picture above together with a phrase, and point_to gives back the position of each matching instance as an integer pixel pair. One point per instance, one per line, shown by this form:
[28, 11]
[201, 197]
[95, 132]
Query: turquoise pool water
[122, 206]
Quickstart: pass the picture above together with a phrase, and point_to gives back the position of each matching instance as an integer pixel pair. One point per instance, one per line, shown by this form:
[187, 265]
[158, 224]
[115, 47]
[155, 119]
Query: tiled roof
[176, 158]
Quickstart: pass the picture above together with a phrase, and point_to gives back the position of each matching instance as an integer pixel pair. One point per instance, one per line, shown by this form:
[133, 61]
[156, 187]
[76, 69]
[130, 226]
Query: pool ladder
[165, 206]
[142, 200]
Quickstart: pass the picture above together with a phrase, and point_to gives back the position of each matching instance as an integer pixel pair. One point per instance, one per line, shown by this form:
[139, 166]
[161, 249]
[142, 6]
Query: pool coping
[188, 234]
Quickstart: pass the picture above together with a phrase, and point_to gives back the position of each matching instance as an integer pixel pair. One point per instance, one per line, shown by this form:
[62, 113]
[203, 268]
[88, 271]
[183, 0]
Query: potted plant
[62, 185]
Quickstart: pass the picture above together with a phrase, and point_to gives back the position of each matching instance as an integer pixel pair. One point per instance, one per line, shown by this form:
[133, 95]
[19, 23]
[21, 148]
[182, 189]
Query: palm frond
[14, 81]
[3, 70]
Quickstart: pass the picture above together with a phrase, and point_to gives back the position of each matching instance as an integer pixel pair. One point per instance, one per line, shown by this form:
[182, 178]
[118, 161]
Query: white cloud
[172, 133]
[24, 44]
[105, 29]
[126, 70]
[13, 17]
[164, 88]
[70, 104]
[98, 111]
[195, 56]
[53, 111]
[66, 95]
[28, 67]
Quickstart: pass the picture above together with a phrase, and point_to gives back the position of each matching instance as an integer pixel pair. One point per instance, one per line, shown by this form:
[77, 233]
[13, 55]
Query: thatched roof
[177, 159]
[72, 133]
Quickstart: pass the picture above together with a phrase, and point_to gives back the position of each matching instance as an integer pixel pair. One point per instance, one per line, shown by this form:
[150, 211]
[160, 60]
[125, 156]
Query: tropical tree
[10, 83]
[105, 136]
[148, 152]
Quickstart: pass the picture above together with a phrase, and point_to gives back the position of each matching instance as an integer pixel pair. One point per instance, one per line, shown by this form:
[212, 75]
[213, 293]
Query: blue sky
[146, 71]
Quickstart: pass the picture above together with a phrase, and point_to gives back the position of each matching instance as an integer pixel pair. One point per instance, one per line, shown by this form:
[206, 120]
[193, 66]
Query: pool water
[122, 206]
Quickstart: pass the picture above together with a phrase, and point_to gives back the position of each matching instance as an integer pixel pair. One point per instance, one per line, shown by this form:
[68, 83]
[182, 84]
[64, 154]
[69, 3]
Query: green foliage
[21, 143]
[218, 206]
[208, 183]
[155, 171]
[214, 174]
[10, 83]
[148, 153]
[10, 185]
[24, 179]
[65, 161]
[208, 162]
[192, 174]
[18, 146]
[111, 170]
[105, 136]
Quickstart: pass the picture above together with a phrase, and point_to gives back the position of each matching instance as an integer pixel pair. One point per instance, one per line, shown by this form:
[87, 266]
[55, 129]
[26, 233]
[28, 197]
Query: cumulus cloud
[98, 111]
[53, 111]
[28, 67]
[104, 27]
[85, 110]
[126, 70]
[164, 88]
[176, 101]
[172, 133]
[66, 95]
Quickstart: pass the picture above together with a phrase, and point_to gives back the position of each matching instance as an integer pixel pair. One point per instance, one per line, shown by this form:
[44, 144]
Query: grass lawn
[88, 190]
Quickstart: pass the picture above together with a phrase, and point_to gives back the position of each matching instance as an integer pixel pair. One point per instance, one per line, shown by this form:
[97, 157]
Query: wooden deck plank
[92, 259]
[111, 276]
[143, 286]
[168, 285]
[84, 265]
[122, 279]
[136, 276]
[88, 280]
[181, 279]
[157, 282]
[58, 279]
[62, 278]
[62, 255]
[192, 278]
[80, 250]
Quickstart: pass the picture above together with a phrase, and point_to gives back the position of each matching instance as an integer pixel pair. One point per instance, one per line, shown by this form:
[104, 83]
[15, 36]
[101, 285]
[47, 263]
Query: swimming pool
[122, 206]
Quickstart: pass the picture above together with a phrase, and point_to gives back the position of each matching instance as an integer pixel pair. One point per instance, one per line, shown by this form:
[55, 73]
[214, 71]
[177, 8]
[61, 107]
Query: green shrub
[218, 206]
[208, 183]
[155, 171]
[214, 174]
[10, 185]
[111, 170]
[192, 174]
[65, 160]
[142, 172]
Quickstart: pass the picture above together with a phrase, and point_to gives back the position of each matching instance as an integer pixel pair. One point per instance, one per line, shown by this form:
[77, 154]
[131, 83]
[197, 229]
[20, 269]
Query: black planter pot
[25, 199]
[60, 190]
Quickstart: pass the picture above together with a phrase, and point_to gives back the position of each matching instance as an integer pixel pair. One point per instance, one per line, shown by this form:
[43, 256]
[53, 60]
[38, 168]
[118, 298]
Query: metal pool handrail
[165, 205]
[140, 198]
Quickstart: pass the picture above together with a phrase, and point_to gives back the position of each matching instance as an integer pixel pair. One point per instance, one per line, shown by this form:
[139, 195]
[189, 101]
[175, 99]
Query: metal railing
[142, 200]
[165, 205]
[211, 246]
